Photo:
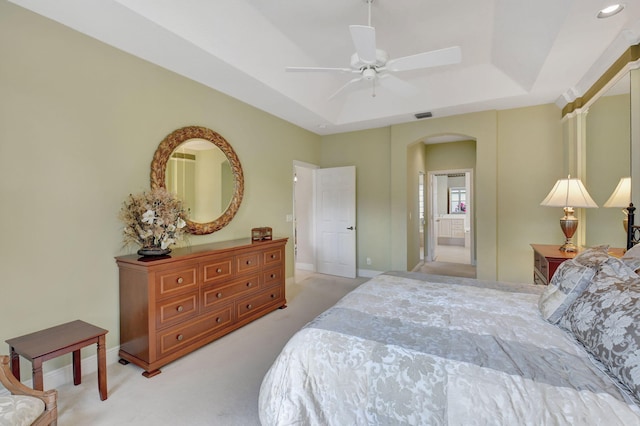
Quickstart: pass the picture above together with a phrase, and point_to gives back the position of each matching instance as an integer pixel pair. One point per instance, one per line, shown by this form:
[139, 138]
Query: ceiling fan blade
[434, 58]
[397, 86]
[364, 40]
[317, 69]
[349, 83]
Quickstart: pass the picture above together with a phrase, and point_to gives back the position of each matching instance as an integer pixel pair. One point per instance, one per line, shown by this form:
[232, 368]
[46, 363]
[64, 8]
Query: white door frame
[311, 187]
[430, 244]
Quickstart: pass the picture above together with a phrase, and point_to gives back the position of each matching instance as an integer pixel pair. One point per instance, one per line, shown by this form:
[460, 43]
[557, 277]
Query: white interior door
[336, 221]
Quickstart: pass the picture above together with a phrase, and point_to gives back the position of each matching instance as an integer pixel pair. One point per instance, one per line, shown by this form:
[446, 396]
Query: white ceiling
[514, 52]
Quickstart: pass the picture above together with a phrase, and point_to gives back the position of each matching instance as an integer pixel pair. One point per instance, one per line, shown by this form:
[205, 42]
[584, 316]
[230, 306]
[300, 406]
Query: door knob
[350, 228]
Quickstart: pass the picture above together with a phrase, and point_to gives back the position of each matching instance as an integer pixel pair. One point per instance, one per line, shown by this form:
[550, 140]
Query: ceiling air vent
[423, 115]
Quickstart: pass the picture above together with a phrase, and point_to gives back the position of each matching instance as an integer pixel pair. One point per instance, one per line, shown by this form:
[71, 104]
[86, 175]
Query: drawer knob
[218, 320]
[248, 262]
[273, 296]
[249, 306]
[219, 295]
[273, 256]
[219, 270]
[180, 308]
[249, 284]
[180, 280]
[272, 275]
[179, 337]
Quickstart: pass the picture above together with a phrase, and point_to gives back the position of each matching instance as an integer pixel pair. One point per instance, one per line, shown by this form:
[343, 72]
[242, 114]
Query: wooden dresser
[173, 305]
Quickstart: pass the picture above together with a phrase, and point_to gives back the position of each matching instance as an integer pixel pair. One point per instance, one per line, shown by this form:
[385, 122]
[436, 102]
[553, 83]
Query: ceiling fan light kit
[373, 64]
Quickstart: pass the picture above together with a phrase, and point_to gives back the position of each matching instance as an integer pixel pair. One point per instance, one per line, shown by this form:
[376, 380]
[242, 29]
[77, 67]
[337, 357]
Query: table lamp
[568, 193]
[621, 197]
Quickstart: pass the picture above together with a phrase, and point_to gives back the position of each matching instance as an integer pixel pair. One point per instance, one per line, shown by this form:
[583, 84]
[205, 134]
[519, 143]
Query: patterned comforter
[418, 349]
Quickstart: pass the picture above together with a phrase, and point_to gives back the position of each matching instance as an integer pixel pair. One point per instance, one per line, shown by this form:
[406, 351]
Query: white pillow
[571, 278]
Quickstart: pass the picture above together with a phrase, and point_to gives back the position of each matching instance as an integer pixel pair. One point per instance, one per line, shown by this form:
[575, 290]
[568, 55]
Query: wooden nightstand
[547, 258]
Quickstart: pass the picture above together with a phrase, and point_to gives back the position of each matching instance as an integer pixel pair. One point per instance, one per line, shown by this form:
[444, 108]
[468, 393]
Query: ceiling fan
[373, 64]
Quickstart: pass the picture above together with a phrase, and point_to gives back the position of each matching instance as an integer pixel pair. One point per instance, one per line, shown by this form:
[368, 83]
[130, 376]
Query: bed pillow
[594, 256]
[570, 279]
[605, 318]
[632, 257]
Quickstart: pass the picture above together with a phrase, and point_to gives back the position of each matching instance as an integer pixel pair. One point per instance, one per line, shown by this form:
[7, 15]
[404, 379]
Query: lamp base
[569, 224]
[569, 247]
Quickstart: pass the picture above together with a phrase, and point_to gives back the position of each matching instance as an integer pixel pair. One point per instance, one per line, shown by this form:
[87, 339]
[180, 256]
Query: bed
[409, 348]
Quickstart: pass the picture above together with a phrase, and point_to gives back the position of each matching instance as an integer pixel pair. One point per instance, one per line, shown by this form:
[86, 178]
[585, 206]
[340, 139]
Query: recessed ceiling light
[610, 10]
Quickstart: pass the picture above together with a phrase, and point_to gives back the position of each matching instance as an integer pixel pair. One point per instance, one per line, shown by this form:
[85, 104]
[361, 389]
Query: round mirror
[203, 170]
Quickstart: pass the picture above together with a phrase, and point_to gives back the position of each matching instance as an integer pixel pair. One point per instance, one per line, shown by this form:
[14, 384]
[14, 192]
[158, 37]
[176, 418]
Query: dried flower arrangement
[153, 219]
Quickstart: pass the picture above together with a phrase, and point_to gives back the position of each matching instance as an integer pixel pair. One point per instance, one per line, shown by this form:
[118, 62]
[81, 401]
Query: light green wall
[368, 150]
[529, 163]
[518, 156]
[79, 124]
[480, 126]
[608, 145]
[451, 156]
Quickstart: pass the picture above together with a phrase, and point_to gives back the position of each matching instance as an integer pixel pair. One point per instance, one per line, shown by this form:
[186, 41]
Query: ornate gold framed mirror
[201, 167]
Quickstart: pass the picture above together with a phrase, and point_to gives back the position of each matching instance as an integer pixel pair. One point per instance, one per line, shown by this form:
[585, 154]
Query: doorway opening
[450, 234]
[304, 253]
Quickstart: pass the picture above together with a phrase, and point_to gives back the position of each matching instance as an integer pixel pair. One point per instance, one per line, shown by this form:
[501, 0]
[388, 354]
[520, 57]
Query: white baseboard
[61, 376]
[368, 273]
[305, 266]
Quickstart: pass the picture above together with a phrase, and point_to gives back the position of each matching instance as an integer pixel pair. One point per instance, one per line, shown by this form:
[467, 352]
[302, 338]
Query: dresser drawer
[272, 277]
[212, 296]
[248, 306]
[180, 336]
[248, 262]
[176, 309]
[217, 270]
[169, 283]
[272, 257]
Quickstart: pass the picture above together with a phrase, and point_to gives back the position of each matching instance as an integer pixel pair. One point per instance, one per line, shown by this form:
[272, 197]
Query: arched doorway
[444, 166]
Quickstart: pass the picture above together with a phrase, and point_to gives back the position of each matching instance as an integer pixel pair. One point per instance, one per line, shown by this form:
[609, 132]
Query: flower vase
[153, 251]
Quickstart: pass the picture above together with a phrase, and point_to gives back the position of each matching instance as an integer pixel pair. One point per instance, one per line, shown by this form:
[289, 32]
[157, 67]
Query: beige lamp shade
[568, 193]
[621, 196]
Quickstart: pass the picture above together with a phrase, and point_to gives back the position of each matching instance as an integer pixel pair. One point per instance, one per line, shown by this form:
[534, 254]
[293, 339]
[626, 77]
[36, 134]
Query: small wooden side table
[59, 340]
[548, 257]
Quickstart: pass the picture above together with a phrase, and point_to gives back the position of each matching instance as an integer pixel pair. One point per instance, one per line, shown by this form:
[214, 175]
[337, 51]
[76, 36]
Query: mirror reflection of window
[180, 178]
[457, 200]
[199, 173]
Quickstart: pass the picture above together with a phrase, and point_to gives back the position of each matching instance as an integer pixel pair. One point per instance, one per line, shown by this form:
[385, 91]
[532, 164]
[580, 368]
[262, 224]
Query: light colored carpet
[447, 268]
[215, 385]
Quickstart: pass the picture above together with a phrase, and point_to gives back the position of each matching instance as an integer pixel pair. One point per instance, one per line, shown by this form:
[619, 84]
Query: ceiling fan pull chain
[373, 88]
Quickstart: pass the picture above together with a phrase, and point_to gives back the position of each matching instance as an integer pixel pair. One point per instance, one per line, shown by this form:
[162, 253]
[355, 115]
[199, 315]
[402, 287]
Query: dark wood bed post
[630, 216]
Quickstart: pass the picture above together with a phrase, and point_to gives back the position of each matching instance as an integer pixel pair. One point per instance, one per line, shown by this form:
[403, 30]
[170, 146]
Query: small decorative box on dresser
[548, 257]
[172, 305]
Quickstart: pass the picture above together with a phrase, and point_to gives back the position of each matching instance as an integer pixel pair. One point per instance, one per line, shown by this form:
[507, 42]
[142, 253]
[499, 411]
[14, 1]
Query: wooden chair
[46, 415]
